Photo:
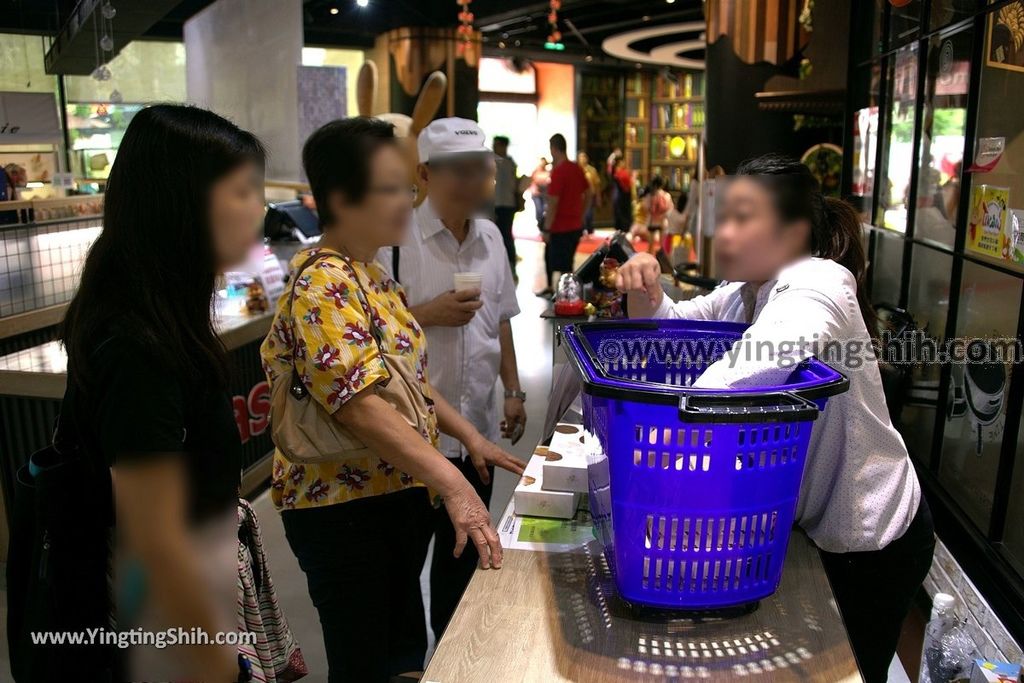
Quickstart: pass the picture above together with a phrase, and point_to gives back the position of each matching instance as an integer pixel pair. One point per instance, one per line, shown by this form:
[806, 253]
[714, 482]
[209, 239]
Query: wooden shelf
[677, 131]
[672, 162]
[676, 100]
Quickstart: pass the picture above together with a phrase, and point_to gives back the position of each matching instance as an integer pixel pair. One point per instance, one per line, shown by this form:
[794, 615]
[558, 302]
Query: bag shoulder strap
[364, 301]
[396, 253]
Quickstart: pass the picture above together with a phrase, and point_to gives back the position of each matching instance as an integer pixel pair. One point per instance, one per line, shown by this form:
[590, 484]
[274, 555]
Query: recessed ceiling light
[589, 58]
[334, 10]
[645, 17]
[670, 2]
[363, 3]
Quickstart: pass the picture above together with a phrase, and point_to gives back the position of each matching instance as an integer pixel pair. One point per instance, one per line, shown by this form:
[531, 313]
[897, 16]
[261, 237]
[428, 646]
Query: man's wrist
[515, 393]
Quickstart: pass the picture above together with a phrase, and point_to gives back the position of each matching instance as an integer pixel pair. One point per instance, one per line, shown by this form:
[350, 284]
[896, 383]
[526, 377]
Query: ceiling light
[334, 10]
[363, 3]
[645, 17]
[589, 58]
[670, 2]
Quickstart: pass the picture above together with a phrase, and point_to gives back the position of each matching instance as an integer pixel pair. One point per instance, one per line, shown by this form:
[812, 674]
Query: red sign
[252, 412]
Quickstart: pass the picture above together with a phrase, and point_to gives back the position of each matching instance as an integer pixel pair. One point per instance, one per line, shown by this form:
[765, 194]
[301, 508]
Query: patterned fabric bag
[275, 657]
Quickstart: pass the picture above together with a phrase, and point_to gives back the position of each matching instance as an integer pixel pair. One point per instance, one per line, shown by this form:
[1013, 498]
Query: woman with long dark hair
[148, 377]
[795, 267]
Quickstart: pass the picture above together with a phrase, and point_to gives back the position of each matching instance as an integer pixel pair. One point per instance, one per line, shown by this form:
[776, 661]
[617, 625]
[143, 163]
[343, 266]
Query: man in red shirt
[569, 194]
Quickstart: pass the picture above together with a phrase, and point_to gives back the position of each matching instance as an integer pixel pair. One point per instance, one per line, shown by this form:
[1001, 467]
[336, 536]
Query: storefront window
[944, 117]
[946, 12]
[893, 195]
[928, 304]
[886, 268]
[865, 140]
[995, 220]
[1014, 529]
[904, 21]
[21, 64]
[979, 389]
[95, 131]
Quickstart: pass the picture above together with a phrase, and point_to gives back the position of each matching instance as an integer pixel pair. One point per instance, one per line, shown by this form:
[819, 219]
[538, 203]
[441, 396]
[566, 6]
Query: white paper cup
[465, 281]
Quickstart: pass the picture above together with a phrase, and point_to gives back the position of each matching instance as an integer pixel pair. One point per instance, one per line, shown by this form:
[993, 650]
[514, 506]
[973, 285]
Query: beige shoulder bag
[306, 433]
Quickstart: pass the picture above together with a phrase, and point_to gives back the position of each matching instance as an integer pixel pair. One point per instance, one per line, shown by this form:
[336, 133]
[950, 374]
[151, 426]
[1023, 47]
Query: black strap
[396, 252]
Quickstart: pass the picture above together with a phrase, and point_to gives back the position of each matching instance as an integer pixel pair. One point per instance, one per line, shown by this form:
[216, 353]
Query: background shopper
[360, 527]
[594, 179]
[507, 197]
[184, 202]
[796, 265]
[539, 180]
[469, 333]
[622, 193]
[569, 194]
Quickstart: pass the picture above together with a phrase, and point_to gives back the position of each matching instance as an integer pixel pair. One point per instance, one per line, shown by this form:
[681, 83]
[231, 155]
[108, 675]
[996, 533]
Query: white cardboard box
[531, 498]
[565, 465]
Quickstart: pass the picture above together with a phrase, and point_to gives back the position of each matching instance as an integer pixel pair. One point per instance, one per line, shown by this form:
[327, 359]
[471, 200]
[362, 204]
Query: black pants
[450, 576]
[875, 591]
[623, 209]
[362, 560]
[559, 253]
[503, 217]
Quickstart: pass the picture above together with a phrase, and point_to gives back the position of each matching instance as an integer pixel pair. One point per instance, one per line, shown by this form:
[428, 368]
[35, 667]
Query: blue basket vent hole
[674, 535]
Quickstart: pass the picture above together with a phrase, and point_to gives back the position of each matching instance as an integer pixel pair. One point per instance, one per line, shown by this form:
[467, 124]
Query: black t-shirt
[137, 407]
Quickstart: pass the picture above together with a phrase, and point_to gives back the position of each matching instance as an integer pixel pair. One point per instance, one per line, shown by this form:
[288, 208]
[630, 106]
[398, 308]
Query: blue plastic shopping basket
[695, 495]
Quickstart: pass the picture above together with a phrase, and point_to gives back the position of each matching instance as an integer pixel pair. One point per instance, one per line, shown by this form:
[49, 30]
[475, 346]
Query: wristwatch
[521, 395]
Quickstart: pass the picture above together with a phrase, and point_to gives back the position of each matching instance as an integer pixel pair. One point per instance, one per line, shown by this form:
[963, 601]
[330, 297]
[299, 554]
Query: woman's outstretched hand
[641, 273]
[472, 522]
[483, 453]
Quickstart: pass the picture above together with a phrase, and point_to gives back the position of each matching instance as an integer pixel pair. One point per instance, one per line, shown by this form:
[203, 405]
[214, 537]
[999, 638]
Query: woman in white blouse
[795, 267]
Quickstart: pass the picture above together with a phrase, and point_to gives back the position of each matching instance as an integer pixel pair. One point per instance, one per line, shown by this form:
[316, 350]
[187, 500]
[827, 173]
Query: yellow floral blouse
[329, 334]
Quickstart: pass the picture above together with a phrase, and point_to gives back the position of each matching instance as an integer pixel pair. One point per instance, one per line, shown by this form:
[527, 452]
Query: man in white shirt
[469, 334]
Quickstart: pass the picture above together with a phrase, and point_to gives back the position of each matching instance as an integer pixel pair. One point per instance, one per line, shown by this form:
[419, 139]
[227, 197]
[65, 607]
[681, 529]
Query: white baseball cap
[451, 137]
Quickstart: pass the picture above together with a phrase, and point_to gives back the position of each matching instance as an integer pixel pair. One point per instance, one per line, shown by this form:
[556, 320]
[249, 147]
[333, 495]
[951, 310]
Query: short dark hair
[336, 158]
[500, 138]
[558, 142]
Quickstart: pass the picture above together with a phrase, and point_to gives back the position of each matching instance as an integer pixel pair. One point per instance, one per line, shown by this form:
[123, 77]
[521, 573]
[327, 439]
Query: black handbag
[58, 570]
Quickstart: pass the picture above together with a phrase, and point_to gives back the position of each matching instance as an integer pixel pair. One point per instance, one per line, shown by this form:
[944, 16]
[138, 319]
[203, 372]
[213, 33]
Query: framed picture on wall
[1005, 42]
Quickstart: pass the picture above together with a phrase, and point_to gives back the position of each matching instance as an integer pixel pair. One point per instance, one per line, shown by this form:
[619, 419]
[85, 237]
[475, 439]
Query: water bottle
[941, 622]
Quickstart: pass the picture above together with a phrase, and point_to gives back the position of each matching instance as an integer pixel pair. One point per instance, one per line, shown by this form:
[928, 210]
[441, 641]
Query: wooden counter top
[556, 617]
[41, 371]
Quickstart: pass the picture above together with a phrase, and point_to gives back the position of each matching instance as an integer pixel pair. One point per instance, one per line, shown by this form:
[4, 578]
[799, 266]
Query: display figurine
[255, 298]
[607, 300]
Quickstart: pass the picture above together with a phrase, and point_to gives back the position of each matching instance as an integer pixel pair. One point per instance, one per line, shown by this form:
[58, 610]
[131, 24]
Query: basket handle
[772, 406]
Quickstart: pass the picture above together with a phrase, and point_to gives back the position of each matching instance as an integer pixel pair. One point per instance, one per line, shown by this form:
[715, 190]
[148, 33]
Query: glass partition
[979, 389]
[943, 126]
[898, 152]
